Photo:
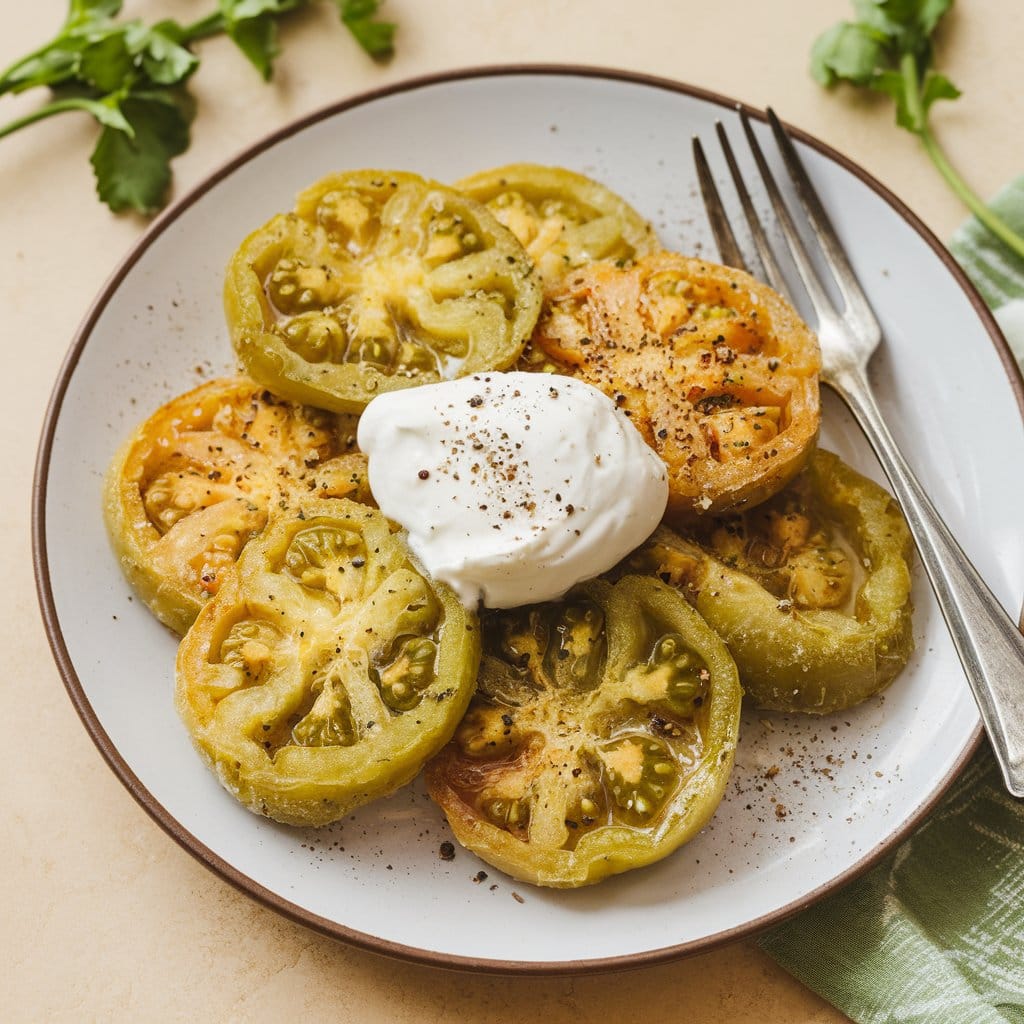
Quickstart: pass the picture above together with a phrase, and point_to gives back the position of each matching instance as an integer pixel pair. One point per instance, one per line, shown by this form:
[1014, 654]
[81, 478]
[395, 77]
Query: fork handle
[990, 646]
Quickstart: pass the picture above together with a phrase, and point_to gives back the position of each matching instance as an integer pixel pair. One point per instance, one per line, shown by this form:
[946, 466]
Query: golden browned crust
[716, 370]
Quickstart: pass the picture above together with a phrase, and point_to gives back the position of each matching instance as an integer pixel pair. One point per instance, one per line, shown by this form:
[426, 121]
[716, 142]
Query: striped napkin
[935, 934]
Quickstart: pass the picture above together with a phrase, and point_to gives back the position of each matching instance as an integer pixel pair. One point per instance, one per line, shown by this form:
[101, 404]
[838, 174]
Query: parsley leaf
[82, 11]
[252, 26]
[133, 170]
[104, 64]
[257, 39]
[377, 38]
[888, 49]
[846, 53]
[131, 78]
[163, 58]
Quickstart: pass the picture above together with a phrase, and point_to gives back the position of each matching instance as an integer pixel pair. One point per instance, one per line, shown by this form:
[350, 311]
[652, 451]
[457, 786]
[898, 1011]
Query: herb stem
[211, 25]
[919, 118]
[49, 110]
[909, 72]
[8, 77]
[995, 224]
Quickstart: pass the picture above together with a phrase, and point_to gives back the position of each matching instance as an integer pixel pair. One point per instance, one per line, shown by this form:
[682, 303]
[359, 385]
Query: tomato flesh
[327, 669]
[600, 739]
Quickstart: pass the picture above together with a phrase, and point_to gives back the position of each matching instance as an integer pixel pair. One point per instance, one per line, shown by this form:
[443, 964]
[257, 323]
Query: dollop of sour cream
[513, 487]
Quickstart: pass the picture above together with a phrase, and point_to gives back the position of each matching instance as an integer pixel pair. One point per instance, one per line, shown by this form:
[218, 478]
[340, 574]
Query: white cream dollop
[513, 487]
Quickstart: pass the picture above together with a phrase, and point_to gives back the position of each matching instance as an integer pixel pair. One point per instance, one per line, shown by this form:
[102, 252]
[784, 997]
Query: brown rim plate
[450, 125]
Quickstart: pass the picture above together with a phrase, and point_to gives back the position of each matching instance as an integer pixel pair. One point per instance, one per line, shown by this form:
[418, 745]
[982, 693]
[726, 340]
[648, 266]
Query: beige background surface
[103, 916]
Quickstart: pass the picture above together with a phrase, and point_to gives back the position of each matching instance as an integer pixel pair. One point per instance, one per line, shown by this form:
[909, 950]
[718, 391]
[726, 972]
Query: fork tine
[856, 301]
[819, 299]
[764, 250]
[728, 250]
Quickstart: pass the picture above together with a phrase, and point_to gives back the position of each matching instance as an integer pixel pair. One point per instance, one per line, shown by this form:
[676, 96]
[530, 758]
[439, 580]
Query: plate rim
[192, 844]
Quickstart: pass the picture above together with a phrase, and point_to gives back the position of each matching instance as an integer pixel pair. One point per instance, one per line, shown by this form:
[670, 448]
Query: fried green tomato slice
[601, 737]
[810, 591]
[716, 370]
[196, 480]
[563, 220]
[378, 280]
[327, 669]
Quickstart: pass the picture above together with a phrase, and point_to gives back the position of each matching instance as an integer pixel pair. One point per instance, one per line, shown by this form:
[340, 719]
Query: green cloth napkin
[935, 934]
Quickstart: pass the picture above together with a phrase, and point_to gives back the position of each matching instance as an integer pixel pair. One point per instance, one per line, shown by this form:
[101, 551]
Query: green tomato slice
[196, 480]
[327, 669]
[715, 369]
[810, 591]
[564, 220]
[379, 280]
[601, 737]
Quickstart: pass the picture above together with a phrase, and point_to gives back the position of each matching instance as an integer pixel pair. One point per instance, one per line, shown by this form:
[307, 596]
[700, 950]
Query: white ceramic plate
[812, 802]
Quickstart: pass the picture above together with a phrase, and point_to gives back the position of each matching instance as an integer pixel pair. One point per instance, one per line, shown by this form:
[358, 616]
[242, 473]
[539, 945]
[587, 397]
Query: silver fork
[990, 646]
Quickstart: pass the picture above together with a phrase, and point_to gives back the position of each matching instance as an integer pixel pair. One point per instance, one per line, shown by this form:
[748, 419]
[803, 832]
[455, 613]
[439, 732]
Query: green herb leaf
[870, 15]
[937, 87]
[903, 12]
[133, 172]
[252, 27]
[106, 63]
[50, 65]
[129, 76]
[930, 12]
[58, 60]
[160, 52]
[377, 38]
[257, 39]
[889, 50]
[242, 10]
[846, 52]
[83, 12]
[107, 110]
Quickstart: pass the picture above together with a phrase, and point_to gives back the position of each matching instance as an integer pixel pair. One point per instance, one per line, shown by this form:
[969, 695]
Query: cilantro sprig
[889, 49]
[132, 78]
